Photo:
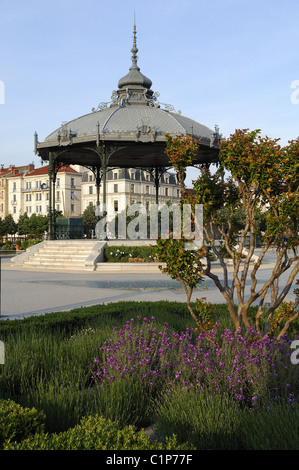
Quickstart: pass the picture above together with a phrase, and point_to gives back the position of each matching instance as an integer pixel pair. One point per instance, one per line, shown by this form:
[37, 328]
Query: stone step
[61, 254]
[52, 263]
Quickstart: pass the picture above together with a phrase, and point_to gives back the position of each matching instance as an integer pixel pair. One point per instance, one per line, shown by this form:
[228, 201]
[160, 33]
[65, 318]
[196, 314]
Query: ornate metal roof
[134, 114]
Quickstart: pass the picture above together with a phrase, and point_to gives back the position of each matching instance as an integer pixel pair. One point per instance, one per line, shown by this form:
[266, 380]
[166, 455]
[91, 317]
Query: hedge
[18, 423]
[95, 433]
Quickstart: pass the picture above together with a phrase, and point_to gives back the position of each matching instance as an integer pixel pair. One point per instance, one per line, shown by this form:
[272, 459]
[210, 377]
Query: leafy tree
[23, 224]
[182, 264]
[9, 225]
[262, 174]
[89, 219]
[37, 225]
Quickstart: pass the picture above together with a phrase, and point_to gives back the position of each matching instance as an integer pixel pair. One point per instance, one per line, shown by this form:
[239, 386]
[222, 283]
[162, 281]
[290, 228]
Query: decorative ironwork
[154, 102]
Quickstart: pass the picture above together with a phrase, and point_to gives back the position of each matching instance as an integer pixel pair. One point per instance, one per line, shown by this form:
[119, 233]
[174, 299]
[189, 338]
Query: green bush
[122, 254]
[27, 243]
[18, 423]
[273, 428]
[207, 421]
[95, 433]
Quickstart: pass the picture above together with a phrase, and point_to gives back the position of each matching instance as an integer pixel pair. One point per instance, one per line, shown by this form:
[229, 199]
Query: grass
[47, 367]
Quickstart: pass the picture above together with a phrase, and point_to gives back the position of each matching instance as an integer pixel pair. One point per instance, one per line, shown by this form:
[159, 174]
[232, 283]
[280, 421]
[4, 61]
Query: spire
[134, 77]
[134, 49]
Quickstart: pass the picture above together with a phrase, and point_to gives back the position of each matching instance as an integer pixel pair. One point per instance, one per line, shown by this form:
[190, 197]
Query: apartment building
[26, 189]
[29, 192]
[126, 186]
[6, 205]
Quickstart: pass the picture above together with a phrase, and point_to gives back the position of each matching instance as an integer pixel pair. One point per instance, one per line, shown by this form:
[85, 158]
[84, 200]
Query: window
[132, 188]
[116, 188]
[15, 186]
[90, 189]
[115, 206]
[115, 176]
[72, 208]
[72, 195]
[147, 189]
[90, 177]
[57, 196]
[58, 183]
[166, 191]
[72, 183]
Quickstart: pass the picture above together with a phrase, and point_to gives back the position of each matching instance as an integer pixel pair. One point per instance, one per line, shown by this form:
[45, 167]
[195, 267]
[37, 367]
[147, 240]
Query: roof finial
[134, 49]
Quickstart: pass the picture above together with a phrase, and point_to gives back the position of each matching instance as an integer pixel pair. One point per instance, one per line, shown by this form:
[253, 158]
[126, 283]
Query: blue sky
[229, 63]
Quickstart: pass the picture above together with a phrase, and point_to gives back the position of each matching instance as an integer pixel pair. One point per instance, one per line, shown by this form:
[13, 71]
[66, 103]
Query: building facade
[126, 186]
[26, 190]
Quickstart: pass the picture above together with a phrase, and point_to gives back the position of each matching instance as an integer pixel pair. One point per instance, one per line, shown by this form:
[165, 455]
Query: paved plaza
[26, 292]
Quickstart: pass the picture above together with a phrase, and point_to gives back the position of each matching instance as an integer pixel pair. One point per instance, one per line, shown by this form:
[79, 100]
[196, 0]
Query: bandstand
[127, 132]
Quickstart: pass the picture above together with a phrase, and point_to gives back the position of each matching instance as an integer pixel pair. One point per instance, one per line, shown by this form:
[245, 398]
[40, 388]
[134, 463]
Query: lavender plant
[248, 369]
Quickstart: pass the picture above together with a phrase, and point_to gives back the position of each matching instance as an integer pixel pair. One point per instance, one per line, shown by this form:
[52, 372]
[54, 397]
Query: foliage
[124, 253]
[181, 151]
[252, 371]
[18, 423]
[35, 226]
[47, 364]
[95, 433]
[183, 264]
[210, 421]
[8, 225]
[262, 174]
[89, 219]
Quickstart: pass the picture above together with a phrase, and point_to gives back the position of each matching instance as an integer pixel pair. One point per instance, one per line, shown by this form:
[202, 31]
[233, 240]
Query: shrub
[18, 423]
[273, 428]
[27, 243]
[120, 254]
[208, 421]
[251, 370]
[95, 433]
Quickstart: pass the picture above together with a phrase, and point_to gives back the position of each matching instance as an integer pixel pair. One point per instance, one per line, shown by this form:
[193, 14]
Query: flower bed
[249, 369]
[124, 254]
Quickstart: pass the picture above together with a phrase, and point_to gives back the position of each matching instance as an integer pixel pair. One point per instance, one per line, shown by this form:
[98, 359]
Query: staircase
[62, 255]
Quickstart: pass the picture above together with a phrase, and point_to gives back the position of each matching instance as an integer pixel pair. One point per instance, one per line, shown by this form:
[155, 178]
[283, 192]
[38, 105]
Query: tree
[9, 225]
[37, 225]
[182, 264]
[262, 174]
[23, 224]
[89, 219]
